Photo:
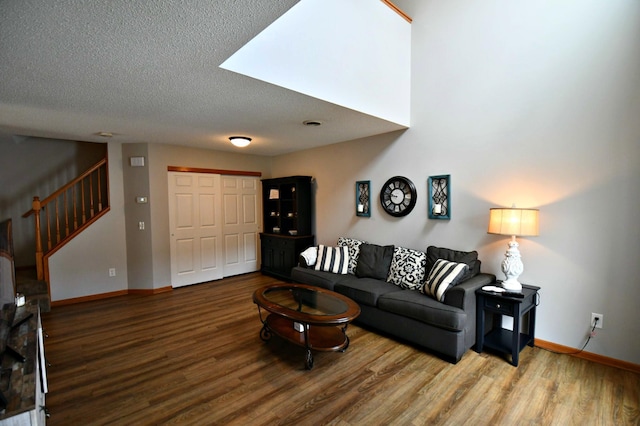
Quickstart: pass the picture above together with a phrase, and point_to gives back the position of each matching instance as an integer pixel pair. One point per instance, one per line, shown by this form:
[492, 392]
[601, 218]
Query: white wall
[81, 268]
[532, 103]
[336, 50]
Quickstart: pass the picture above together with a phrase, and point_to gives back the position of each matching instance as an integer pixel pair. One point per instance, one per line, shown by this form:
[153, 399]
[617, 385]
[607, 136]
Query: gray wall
[81, 267]
[530, 103]
[37, 167]
[136, 183]
[141, 258]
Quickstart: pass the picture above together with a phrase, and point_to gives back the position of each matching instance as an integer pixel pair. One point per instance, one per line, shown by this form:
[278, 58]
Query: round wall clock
[398, 196]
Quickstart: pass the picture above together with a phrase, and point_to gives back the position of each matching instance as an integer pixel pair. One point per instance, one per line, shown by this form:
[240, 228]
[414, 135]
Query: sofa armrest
[302, 262]
[463, 295]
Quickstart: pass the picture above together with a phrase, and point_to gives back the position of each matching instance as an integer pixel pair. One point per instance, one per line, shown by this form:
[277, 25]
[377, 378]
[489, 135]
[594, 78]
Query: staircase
[21, 281]
[67, 212]
[32, 288]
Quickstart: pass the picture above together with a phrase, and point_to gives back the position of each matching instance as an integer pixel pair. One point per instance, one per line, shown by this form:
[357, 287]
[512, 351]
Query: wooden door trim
[213, 171]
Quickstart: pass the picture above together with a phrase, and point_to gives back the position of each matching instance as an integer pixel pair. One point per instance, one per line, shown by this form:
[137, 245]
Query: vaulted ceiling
[150, 72]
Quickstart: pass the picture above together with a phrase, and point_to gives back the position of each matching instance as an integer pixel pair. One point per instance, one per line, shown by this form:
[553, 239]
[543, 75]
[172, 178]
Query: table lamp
[516, 223]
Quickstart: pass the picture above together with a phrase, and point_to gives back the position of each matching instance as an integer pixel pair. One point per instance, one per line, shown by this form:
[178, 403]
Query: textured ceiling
[148, 71]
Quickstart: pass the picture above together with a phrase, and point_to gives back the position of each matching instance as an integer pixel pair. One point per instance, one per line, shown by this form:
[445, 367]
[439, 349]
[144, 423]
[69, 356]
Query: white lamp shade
[512, 221]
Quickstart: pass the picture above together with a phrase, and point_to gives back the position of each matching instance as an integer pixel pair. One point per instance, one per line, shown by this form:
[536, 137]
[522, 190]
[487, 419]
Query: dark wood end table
[498, 338]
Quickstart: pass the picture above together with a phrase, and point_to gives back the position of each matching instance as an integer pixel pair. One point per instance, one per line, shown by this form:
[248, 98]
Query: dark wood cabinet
[287, 223]
[280, 253]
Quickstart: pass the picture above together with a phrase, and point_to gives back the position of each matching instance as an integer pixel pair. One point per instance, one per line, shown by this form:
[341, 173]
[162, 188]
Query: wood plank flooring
[194, 356]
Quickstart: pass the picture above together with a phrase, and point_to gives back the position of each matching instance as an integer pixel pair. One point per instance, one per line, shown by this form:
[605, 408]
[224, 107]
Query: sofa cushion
[365, 291]
[414, 304]
[354, 251]
[468, 257]
[442, 277]
[332, 259]
[374, 261]
[408, 268]
[310, 276]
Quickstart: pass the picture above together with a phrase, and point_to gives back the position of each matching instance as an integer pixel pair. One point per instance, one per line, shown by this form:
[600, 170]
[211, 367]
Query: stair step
[32, 288]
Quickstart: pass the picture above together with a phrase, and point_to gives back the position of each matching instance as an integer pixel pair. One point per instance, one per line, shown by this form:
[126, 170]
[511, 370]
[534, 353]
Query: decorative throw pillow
[332, 259]
[442, 277]
[309, 257]
[374, 261]
[354, 251]
[408, 268]
[468, 257]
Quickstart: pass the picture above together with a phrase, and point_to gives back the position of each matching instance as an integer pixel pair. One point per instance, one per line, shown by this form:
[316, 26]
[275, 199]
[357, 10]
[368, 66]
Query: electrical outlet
[112, 272]
[600, 319]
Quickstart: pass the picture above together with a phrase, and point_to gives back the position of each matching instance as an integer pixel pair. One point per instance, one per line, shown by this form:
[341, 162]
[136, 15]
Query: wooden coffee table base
[323, 316]
[317, 337]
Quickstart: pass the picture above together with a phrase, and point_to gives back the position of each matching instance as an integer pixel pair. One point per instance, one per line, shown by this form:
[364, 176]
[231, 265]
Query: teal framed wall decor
[363, 198]
[440, 197]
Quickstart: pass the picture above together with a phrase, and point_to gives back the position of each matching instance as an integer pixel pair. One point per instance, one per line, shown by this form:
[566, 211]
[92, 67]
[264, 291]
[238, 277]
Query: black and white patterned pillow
[332, 259]
[408, 268]
[442, 277]
[354, 251]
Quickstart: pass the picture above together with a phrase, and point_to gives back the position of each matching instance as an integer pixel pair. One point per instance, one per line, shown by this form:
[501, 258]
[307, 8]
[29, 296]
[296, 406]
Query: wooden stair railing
[68, 211]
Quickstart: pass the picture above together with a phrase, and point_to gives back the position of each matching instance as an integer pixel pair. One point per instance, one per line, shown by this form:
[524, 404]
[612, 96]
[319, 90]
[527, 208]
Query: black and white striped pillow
[333, 259]
[442, 277]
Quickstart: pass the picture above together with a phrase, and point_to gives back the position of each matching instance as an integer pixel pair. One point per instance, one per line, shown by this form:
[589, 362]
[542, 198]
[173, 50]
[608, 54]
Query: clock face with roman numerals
[398, 196]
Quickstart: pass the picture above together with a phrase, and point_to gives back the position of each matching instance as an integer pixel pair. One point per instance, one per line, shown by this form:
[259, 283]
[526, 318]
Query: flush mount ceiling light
[105, 134]
[240, 141]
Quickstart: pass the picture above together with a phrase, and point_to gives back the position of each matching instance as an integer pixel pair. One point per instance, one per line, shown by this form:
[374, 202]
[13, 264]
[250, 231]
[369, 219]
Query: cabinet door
[277, 254]
[280, 253]
[268, 256]
[274, 254]
[285, 256]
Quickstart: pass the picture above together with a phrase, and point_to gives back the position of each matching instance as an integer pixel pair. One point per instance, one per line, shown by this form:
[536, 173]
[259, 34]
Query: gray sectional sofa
[393, 296]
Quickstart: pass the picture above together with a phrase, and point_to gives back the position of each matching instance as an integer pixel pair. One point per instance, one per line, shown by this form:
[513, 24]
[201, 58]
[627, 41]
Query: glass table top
[306, 301]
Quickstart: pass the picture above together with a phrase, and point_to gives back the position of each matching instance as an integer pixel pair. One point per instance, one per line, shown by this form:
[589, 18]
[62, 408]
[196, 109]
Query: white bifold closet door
[214, 225]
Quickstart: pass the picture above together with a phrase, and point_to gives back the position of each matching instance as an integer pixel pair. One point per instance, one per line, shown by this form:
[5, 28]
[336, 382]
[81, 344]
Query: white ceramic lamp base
[512, 267]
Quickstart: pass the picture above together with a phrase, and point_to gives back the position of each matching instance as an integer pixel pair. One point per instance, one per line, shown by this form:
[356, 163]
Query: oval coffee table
[307, 316]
